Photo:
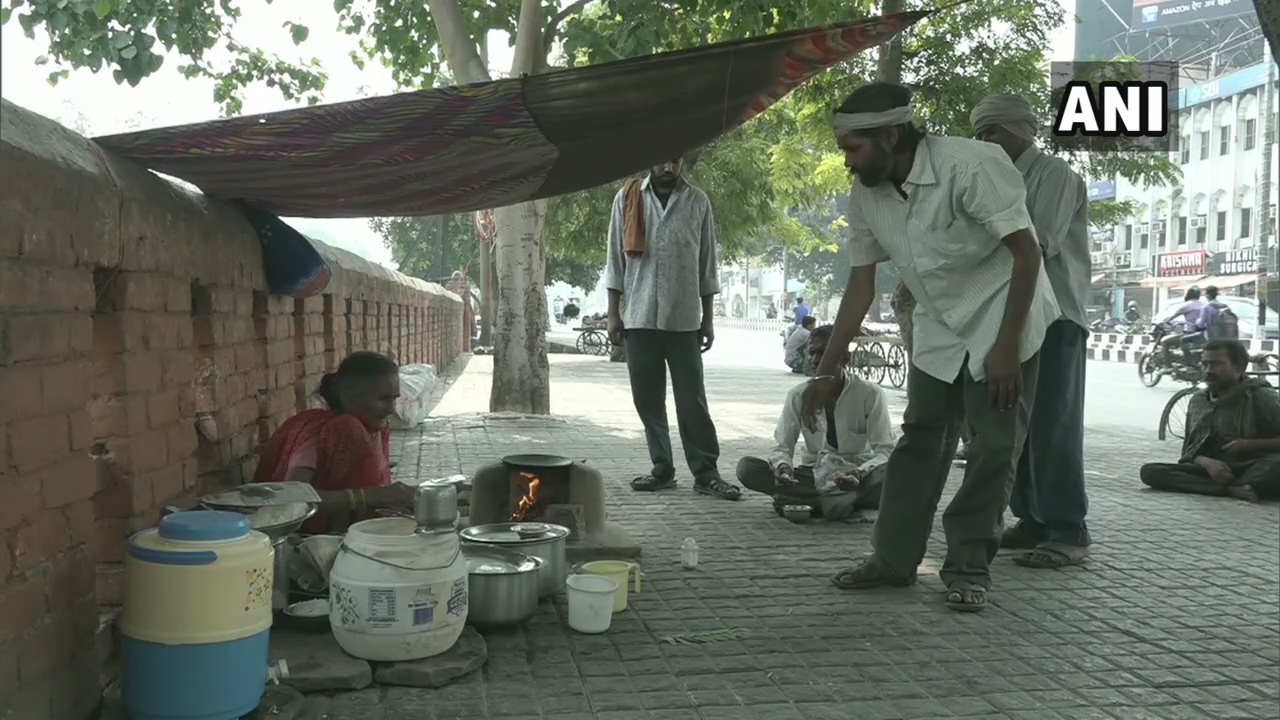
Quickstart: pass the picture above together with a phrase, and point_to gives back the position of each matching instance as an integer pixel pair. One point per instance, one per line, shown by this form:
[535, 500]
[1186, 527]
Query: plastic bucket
[618, 571]
[590, 602]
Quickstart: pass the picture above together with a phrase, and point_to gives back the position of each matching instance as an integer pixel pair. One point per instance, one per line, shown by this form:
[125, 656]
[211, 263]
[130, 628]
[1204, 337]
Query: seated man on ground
[1232, 443]
[842, 462]
[343, 450]
[795, 346]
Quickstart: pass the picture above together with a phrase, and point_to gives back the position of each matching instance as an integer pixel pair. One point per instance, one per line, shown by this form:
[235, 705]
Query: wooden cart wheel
[581, 343]
[875, 363]
[896, 367]
[594, 343]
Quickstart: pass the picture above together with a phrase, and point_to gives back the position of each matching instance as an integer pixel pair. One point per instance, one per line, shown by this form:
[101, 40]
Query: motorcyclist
[1131, 313]
[1190, 312]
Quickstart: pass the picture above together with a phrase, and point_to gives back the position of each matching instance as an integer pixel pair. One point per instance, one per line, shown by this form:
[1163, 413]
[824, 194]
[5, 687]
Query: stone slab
[466, 656]
[317, 663]
[611, 543]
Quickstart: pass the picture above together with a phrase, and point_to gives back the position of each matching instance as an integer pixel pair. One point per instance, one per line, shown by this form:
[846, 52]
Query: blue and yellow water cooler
[196, 618]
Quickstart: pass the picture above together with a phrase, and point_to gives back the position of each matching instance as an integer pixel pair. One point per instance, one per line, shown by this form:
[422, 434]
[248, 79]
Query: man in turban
[1049, 497]
[951, 215]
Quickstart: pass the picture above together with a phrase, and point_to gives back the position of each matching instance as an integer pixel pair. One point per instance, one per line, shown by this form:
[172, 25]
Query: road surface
[1114, 396]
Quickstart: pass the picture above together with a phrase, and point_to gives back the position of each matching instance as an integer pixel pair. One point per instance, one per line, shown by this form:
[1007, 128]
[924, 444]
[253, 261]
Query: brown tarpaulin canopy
[498, 143]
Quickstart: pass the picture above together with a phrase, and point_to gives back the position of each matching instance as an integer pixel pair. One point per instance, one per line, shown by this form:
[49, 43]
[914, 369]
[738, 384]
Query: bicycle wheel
[1147, 370]
[1173, 420]
[581, 343]
[875, 363]
[897, 366]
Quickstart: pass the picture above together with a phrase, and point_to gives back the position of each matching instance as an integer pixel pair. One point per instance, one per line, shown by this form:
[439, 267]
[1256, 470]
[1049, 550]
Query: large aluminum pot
[544, 541]
[502, 586]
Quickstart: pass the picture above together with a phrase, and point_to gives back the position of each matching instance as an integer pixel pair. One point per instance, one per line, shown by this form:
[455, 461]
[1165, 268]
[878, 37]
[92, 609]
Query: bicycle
[1173, 419]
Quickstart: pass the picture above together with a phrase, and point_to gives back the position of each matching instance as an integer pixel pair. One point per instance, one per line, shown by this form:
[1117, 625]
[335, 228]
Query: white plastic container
[590, 602]
[689, 553]
[395, 594]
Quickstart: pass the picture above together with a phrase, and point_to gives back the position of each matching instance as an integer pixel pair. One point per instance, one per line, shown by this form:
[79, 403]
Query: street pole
[1263, 203]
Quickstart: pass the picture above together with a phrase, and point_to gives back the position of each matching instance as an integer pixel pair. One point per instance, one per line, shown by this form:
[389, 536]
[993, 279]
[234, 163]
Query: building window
[1250, 134]
[1184, 150]
[1202, 233]
[1204, 145]
[1143, 240]
[1246, 222]
[1180, 229]
[1224, 140]
[1128, 237]
[1159, 232]
[1220, 222]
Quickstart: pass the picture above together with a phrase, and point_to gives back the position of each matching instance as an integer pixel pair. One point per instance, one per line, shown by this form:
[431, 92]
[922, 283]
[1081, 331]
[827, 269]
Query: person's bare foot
[1243, 492]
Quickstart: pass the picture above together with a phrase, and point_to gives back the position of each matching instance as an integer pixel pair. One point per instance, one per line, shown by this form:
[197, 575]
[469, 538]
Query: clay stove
[535, 488]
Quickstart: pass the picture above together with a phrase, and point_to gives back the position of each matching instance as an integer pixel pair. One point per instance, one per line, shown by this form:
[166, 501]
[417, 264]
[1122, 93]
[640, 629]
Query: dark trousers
[918, 471]
[1263, 474]
[650, 354]
[1049, 497]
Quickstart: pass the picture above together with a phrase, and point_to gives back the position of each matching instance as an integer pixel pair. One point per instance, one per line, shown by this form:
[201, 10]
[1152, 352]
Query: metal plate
[535, 460]
[513, 533]
[487, 560]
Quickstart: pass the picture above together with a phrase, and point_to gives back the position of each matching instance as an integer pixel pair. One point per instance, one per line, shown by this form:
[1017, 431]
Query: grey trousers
[755, 474]
[1262, 473]
[649, 354]
[918, 470]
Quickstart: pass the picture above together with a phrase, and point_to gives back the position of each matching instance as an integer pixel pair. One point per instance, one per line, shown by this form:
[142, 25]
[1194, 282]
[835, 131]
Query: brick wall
[141, 363]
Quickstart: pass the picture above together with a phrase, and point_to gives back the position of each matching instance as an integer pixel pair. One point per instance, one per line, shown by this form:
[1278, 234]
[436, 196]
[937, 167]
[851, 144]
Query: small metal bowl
[291, 617]
[797, 513]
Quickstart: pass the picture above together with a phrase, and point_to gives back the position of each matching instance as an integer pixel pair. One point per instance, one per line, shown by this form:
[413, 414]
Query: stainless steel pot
[544, 541]
[503, 586]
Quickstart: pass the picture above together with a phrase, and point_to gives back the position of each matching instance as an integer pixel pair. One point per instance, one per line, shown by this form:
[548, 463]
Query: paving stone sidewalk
[1176, 615]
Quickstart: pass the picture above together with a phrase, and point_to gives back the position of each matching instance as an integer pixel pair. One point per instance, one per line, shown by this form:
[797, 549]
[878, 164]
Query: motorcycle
[1176, 362]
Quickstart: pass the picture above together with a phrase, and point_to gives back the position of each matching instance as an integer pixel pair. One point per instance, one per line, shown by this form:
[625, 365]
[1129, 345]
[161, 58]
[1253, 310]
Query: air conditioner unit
[1157, 226]
[1198, 222]
[1144, 228]
[1271, 212]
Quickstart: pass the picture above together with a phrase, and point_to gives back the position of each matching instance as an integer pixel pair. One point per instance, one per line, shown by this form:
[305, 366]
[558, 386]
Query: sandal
[969, 599]
[652, 483]
[1019, 537]
[1052, 556]
[718, 488]
[869, 576]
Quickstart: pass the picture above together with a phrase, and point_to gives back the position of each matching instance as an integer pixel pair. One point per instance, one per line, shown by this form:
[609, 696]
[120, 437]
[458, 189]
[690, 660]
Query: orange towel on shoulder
[633, 240]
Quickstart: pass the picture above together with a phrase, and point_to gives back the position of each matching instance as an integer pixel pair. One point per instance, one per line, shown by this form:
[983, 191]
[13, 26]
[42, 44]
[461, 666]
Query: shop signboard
[1181, 263]
[1234, 262]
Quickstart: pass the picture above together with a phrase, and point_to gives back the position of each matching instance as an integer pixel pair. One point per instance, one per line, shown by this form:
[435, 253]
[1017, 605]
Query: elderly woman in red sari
[343, 450]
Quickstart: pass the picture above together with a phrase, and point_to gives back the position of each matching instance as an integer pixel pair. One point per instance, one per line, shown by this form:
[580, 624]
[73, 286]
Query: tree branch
[549, 35]
[460, 49]
[524, 59]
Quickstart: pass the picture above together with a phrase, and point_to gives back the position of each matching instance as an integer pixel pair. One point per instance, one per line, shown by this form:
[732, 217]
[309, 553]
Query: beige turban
[1007, 111]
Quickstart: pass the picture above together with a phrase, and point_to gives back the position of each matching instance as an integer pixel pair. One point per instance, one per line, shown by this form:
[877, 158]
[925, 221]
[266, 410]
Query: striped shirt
[663, 288]
[963, 198]
[1059, 206]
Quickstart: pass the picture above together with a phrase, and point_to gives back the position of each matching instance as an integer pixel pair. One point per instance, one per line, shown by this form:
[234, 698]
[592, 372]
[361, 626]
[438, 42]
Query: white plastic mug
[590, 602]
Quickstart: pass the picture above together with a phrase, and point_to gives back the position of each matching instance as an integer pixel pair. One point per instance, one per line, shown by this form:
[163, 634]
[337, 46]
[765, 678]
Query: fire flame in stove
[530, 498]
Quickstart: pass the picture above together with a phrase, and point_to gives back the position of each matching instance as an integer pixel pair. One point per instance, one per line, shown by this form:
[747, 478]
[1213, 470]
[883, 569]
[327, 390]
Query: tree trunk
[442, 245]
[1269, 19]
[521, 375]
[889, 69]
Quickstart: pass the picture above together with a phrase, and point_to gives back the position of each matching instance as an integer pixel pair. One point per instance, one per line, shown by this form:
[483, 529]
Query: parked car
[1246, 309]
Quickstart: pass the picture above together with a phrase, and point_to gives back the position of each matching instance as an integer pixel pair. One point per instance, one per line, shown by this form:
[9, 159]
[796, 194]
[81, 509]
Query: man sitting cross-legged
[1232, 443]
[842, 463]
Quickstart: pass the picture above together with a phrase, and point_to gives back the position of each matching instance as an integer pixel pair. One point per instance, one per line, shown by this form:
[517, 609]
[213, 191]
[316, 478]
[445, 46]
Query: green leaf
[103, 8]
[121, 40]
[299, 33]
[129, 52]
[5, 14]
[28, 24]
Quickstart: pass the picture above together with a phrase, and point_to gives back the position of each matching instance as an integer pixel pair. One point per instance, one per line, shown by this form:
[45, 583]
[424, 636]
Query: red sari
[347, 455]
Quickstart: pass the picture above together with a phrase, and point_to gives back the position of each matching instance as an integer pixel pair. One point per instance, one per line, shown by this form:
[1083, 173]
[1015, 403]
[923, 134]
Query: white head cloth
[844, 123]
[1007, 111]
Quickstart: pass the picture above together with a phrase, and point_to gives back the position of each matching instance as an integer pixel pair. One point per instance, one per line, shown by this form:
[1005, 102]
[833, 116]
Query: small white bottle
[689, 553]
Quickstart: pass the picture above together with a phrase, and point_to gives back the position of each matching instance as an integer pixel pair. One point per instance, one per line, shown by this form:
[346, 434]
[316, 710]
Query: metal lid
[497, 561]
[204, 526]
[514, 533]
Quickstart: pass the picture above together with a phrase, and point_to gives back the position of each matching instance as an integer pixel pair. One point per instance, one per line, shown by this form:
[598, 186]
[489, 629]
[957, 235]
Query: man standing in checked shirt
[1049, 497]
[662, 275]
[951, 215]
